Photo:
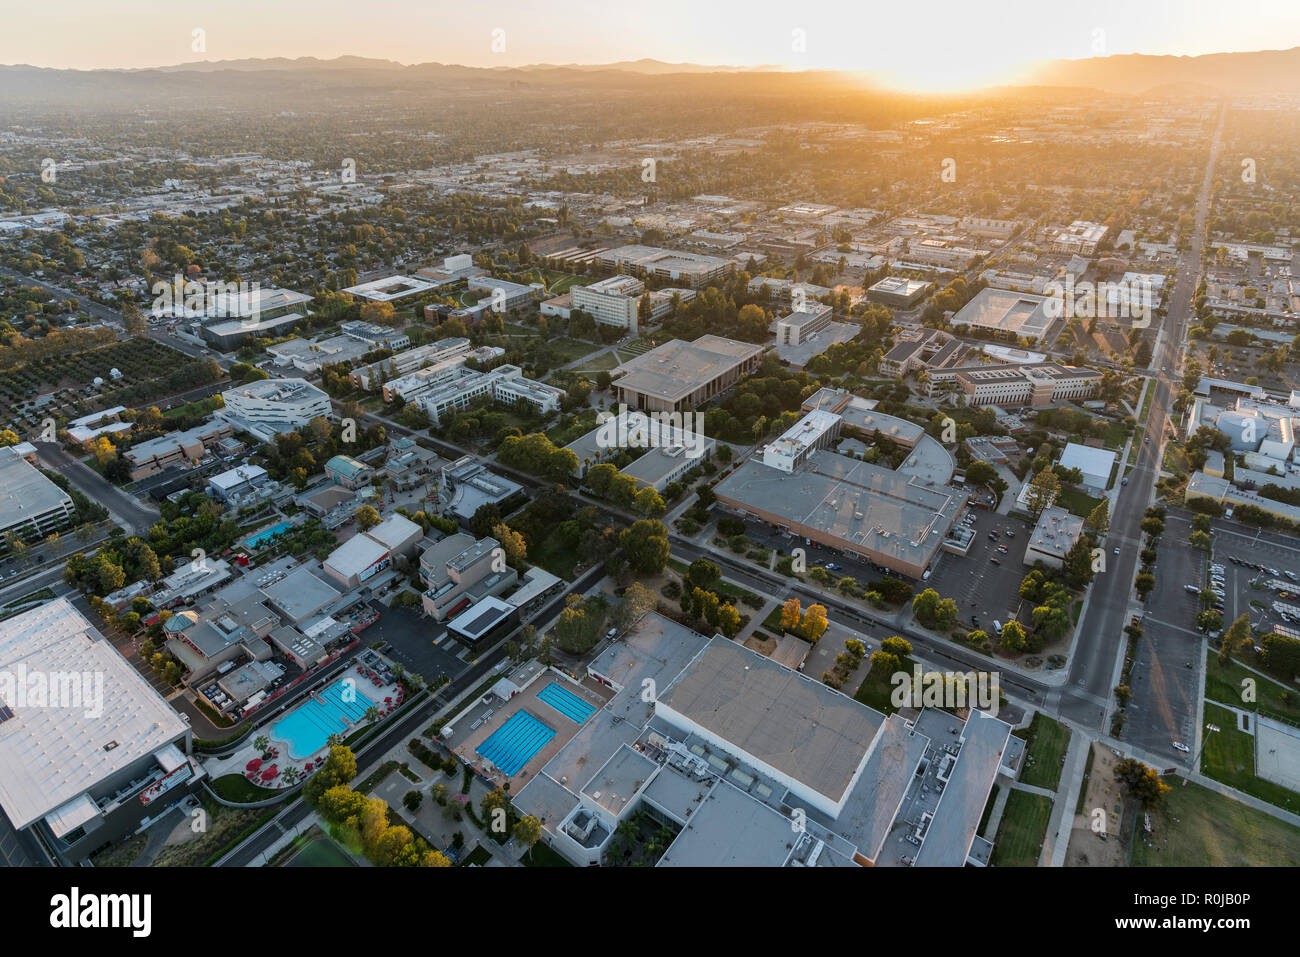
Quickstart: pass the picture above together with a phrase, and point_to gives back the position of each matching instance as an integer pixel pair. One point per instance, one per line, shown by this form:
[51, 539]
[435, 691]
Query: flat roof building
[691, 268]
[1053, 537]
[682, 376]
[30, 504]
[110, 753]
[1006, 311]
[898, 291]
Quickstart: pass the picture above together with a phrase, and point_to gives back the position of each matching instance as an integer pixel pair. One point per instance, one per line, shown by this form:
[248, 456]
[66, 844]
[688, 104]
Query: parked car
[1179, 746]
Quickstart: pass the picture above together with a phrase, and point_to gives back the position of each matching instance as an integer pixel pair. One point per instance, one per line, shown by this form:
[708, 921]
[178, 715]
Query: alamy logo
[946, 689]
[74, 909]
[23, 688]
[186, 298]
[648, 430]
[1126, 299]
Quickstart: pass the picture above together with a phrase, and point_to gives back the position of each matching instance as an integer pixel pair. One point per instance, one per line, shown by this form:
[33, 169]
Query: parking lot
[986, 581]
[1165, 680]
[411, 640]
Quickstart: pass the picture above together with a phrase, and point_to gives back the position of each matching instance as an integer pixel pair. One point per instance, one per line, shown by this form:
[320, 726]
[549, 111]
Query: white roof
[355, 555]
[1087, 460]
[394, 532]
[236, 476]
[50, 756]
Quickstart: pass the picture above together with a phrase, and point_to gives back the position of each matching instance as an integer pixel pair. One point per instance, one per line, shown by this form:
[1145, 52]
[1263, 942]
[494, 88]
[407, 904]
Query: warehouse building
[31, 505]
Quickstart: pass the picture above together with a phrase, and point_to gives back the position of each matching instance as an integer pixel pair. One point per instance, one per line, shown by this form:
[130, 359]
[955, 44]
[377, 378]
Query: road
[1101, 632]
[128, 511]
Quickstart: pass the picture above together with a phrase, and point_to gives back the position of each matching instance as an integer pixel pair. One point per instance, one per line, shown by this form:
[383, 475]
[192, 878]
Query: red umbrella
[253, 765]
[388, 701]
[269, 773]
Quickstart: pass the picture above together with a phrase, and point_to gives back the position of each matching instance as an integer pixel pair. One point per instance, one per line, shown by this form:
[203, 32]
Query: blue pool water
[266, 534]
[308, 727]
[566, 702]
[514, 743]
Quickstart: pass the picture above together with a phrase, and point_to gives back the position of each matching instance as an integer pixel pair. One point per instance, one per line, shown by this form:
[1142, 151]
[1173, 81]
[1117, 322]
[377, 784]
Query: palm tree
[261, 742]
[372, 714]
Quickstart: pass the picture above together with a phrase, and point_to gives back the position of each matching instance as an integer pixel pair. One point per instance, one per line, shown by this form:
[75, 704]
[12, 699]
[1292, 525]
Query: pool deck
[235, 763]
[466, 739]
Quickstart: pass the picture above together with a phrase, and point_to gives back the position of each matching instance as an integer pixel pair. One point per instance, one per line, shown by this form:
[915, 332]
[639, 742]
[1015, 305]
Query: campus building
[692, 269]
[681, 376]
[670, 449]
[1015, 385]
[390, 370]
[271, 407]
[898, 291]
[31, 506]
[1007, 312]
[736, 747]
[896, 519]
[175, 448]
[113, 757]
[459, 571]
[1053, 536]
[457, 387]
[803, 324]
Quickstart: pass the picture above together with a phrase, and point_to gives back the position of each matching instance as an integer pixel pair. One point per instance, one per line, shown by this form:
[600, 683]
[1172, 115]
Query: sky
[914, 44]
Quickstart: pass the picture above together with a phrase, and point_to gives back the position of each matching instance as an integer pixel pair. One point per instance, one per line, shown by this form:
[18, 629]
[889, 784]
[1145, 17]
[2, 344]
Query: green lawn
[1223, 684]
[479, 857]
[543, 855]
[1197, 827]
[1229, 756]
[1046, 742]
[605, 362]
[572, 349]
[1020, 834]
[1076, 502]
[877, 690]
[240, 790]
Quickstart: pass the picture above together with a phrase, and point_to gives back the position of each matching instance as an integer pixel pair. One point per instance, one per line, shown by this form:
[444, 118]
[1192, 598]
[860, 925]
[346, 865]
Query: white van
[997, 628]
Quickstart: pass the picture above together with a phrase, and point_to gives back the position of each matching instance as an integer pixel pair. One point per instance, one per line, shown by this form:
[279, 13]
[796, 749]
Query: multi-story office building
[272, 407]
[505, 295]
[1079, 237]
[175, 448]
[1031, 384]
[457, 387]
[614, 301]
[691, 268]
[681, 376]
[799, 326]
[898, 291]
[391, 370]
[459, 571]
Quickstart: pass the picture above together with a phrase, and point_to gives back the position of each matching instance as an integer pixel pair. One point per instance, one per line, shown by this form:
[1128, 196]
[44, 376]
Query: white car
[1179, 746]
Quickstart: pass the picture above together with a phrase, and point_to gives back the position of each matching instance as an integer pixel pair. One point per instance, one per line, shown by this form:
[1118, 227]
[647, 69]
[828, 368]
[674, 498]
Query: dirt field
[1090, 849]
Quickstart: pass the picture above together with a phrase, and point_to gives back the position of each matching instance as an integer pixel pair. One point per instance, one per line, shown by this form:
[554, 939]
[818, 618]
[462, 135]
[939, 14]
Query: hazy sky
[921, 43]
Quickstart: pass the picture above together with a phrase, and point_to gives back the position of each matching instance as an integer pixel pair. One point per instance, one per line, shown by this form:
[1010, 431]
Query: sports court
[1277, 752]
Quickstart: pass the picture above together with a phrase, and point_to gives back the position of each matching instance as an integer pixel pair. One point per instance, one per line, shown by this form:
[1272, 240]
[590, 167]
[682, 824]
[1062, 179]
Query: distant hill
[1261, 71]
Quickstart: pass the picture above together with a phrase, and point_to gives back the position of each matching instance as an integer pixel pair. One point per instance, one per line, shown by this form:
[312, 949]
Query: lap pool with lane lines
[566, 702]
[513, 745]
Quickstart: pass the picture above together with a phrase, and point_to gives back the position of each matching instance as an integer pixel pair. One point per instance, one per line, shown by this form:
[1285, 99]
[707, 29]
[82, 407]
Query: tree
[512, 543]
[495, 808]
[1097, 524]
[814, 622]
[897, 646]
[1237, 637]
[1043, 489]
[703, 573]
[1144, 582]
[791, 615]
[367, 518]
[645, 543]
[1013, 637]
[637, 602]
[980, 473]
[1141, 781]
[528, 831]
[1209, 620]
[729, 620]
[1199, 539]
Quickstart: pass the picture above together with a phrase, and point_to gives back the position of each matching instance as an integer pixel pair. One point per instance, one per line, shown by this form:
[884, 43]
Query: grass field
[1229, 756]
[877, 690]
[1020, 834]
[572, 349]
[605, 362]
[1197, 827]
[1076, 502]
[1223, 684]
[1046, 742]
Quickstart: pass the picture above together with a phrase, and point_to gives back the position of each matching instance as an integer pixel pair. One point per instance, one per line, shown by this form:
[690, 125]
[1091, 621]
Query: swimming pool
[266, 534]
[566, 702]
[513, 744]
[308, 727]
